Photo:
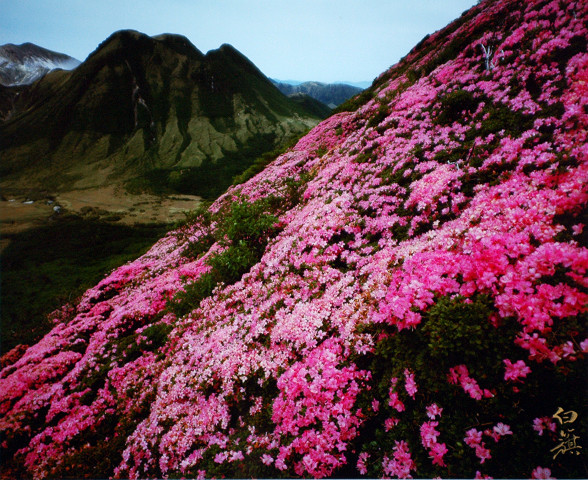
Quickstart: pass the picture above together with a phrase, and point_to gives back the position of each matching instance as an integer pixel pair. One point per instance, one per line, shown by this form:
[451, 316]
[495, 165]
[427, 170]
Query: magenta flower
[515, 371]
[410, 384]
[361, 463]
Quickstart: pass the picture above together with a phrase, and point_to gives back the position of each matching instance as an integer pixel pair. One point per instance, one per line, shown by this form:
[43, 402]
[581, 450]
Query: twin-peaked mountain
[140, 105]
[401, 294]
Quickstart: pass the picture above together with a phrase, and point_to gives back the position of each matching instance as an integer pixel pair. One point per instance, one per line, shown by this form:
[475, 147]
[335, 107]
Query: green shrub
[382, 112]
[454, 105]
[265, 159]
[458, 331]
[189, 299]
[244, 229]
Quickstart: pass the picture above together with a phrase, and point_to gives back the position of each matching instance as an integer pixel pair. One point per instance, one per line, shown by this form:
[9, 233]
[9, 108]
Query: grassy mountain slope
[139, 105]
[403, 293]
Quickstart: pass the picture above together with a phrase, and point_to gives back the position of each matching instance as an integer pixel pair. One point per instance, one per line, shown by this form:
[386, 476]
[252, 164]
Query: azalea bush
[403, 293]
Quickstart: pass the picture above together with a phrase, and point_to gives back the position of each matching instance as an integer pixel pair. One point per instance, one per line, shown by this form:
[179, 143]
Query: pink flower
[501, 429]
[437, 452]
[515, 371]
[221, 457]
[473, 437]
[238, 455]
[429, 434]
[492, 434]
[361, 466]
[410, 384]
[541, 472]
[394, 402]
[543, 423]
[480, 475]
[401, 464]
[267, 459]
[433, 410]
[483, 453]
[390, 423]
[280, 464]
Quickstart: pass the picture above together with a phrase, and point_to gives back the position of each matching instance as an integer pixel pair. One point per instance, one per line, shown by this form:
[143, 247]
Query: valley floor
[19, 213]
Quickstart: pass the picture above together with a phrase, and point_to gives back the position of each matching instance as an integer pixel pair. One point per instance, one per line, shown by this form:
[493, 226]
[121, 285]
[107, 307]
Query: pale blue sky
[323, 40]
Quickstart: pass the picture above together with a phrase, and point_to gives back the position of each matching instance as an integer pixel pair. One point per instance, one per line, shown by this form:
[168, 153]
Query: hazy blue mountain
[331, 94]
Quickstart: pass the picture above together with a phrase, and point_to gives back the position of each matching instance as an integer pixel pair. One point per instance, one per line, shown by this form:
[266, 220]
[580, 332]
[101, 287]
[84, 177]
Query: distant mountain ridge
[26, 63]
[144, 106]
[331, 94]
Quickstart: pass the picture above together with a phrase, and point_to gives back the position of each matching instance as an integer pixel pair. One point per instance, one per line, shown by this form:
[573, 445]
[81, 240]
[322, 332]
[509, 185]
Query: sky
[320, 40]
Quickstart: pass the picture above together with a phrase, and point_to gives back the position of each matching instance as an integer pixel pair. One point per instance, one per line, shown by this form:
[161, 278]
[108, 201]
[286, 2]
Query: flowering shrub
[403, 293]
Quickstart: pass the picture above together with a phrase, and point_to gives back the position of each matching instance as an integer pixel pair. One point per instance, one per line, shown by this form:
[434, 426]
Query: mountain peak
[24, 64]
[180, 43]
[133, 43]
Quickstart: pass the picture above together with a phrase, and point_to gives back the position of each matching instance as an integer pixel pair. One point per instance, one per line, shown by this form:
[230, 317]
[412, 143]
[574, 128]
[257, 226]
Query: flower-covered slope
[401, 294]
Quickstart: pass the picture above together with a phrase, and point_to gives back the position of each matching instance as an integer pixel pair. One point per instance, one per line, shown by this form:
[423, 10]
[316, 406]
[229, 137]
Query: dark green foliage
[244, 229]
[453, 332]
[379, 116]
[513, 122]
[311, 105]
[455, 106]
[236, 260]
[187, 300]
[248, 222]
[562, 55]
[44, 268]
[211, 178]
[354, 103]
[200, 246]
[265, 159]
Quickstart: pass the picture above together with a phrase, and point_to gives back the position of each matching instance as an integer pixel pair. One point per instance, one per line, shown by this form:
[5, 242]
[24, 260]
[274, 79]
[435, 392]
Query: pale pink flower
[502, 429]
[541, 472]
[361, 466]
[433, 410]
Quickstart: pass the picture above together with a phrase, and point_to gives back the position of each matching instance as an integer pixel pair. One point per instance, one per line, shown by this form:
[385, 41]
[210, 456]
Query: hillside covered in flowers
[403, 293]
